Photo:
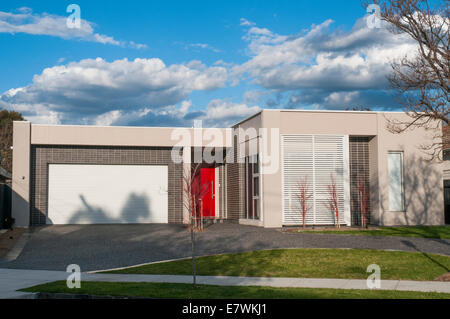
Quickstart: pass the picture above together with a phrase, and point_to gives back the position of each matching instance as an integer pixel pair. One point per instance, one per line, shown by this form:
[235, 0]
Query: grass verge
[441, 232]
[186, 291]
[306, 263]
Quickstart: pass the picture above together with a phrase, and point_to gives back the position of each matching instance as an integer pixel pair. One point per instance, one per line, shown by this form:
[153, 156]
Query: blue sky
[169, 62]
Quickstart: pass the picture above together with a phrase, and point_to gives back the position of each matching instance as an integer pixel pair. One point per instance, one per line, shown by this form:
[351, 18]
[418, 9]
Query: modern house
[64, 174]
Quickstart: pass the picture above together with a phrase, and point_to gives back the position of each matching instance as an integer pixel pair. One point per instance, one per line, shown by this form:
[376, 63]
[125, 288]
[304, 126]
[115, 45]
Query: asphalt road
[96, 247]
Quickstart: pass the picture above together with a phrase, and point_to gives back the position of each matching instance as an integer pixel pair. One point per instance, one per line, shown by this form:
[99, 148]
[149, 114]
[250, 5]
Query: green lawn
[307, 263]
[442, 232]
[186, 291]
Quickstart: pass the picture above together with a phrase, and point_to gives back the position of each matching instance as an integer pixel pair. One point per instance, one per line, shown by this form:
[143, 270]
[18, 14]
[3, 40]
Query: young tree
[333, 199]
[303, 196]
[363, 201]
[193, 192]
[6, 135]
[421, 79]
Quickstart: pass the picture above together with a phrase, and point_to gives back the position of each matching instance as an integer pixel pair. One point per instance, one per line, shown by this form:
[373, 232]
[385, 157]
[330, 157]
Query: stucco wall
[124, 136]
[234, 186]
[20, 206]
[424, 202]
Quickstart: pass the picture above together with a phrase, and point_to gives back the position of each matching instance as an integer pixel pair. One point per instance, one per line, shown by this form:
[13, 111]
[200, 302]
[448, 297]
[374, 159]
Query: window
[396, 189]
[252, 187]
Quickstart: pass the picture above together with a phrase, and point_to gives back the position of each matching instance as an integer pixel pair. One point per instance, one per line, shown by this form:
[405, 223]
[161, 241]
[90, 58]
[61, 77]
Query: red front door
[208, 180]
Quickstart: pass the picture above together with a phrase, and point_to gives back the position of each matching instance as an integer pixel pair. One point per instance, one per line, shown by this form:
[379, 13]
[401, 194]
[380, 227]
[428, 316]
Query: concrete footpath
[13, 279]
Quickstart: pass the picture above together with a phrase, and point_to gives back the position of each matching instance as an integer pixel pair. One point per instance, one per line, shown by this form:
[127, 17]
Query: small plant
[303, 196]
[333, 199]
[363, 202]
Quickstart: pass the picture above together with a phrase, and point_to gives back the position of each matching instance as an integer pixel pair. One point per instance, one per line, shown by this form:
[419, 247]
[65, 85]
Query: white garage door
[107, 194]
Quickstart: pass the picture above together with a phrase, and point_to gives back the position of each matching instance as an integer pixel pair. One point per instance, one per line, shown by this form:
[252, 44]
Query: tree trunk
[201, 215]
[194, 281]
[304, 213]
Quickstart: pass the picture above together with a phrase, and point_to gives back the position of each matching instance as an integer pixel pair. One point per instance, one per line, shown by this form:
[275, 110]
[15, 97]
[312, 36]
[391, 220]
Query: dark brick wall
[235, 187]
[221, 192]
[359, 170]
[446, 142]
[446, 137]
[41, 156]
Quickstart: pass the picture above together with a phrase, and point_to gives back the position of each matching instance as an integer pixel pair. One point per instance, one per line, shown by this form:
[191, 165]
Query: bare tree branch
[421, 79]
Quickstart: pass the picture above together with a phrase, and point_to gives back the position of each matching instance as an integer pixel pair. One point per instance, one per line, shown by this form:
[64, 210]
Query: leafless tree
[193, 192]
[421, 79]
[303, 196]
[333, 199]
[363, 201]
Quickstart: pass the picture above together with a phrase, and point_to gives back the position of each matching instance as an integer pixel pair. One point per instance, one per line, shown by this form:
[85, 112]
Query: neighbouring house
[65, 174]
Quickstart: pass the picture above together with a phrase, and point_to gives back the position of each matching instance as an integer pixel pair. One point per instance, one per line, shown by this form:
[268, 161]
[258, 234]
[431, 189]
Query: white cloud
[185, 105]
[197, 47]
[342, 98]
[219, 109]
[317, 67]
[53, 25]
[323, 99]
[118, 117]
[245, 22]
[82, 91]
[321, 59]
[223, 63]
[253, 96]
[48, 117]
[108, 118]
[218, 113]
[224, 113]
[138, 45]
[204, 46]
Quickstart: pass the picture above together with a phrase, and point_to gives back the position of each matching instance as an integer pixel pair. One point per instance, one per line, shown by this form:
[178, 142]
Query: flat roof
[123, 126]
[313, 111]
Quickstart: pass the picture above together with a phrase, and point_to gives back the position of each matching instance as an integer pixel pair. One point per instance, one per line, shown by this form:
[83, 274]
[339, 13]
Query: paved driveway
[96, 247]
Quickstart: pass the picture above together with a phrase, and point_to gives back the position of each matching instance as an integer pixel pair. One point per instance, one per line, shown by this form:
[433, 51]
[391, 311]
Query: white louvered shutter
[297, 162]
[318, 157]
